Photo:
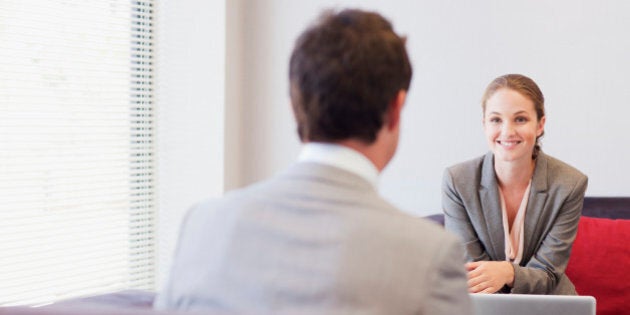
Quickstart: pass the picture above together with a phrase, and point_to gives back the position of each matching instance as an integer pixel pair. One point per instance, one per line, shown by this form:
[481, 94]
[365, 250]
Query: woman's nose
[507, 129]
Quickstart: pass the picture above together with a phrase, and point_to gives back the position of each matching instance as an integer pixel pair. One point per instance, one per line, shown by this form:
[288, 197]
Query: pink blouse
[514, 234]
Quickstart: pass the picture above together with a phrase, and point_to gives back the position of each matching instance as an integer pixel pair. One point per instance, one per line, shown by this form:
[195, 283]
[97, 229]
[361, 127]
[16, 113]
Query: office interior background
[202, 86]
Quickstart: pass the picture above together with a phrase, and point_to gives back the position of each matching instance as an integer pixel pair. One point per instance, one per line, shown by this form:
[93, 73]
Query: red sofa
[600, 259]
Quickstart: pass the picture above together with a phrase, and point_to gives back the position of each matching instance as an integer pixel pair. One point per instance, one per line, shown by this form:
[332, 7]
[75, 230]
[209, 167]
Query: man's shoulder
[311, 181]
[231, 201]
[337, 191]
[427, 229]
[413, 229]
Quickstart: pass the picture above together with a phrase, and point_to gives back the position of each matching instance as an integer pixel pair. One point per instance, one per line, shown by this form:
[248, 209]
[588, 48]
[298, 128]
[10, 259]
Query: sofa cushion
[600, 261]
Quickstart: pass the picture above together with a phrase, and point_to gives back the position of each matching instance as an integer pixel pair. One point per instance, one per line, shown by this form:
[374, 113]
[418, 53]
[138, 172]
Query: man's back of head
[344, 72]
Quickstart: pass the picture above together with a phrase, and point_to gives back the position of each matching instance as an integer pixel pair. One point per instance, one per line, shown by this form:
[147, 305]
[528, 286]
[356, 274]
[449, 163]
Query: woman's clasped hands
[489, 276]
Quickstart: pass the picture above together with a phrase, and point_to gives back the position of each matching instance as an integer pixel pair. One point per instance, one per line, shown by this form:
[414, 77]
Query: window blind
[76, 149]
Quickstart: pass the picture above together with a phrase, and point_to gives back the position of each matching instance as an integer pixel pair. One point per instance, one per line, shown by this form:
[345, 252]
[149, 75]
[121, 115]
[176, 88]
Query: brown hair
[344, 72]
[526, 87]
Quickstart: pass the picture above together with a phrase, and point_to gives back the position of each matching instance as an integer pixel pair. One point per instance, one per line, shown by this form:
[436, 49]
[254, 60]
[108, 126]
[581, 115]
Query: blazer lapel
[491, 209]
[535, 206]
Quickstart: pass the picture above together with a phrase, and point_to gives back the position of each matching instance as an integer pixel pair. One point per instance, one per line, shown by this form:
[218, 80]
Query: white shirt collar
[341, 157]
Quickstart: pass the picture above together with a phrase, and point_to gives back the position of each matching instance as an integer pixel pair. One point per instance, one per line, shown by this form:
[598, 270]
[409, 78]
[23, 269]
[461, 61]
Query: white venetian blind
[76, 148]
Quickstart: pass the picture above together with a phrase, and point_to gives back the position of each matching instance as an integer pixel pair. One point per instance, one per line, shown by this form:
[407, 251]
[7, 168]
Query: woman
[516, 208]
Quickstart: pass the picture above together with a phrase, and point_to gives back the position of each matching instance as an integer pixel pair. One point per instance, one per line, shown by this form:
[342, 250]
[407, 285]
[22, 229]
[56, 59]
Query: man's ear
[395, 108]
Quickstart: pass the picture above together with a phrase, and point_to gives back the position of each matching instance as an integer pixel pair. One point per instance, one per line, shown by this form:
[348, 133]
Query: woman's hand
[489, 276]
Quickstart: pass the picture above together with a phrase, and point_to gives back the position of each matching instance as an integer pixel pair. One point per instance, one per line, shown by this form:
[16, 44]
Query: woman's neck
[514, 174]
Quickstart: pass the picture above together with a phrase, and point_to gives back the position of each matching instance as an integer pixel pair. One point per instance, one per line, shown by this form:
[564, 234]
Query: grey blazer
[314, 240]
[472, 209]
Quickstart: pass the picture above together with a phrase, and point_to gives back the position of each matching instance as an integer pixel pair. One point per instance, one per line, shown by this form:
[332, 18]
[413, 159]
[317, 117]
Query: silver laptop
[530, 304]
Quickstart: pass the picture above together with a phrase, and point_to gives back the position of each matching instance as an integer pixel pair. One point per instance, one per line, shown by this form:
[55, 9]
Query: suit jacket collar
[535, 206]
[342, 157]
[539, 181]
[332, 174]
[491, 208]
[491, 205]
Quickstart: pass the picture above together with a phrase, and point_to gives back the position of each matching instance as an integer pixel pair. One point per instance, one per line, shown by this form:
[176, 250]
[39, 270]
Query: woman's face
[511, 126]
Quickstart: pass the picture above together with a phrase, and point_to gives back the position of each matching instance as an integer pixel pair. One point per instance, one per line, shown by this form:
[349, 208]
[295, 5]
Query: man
[318, 238]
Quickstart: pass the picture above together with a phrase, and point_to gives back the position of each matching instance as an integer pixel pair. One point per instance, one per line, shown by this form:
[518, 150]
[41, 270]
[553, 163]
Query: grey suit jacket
[314, 240]
[472, 208]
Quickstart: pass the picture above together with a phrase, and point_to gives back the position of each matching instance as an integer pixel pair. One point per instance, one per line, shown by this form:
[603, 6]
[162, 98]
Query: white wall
[577, 51]
[190, 102]
[234, 76]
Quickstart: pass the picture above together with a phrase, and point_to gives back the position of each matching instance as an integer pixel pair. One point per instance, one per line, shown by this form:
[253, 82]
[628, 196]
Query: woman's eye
[521, 119]
[495, 120]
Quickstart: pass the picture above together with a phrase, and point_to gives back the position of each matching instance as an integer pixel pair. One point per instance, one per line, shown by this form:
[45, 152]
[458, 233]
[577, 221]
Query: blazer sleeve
[457, 220]
[544, 270]
[448, 288]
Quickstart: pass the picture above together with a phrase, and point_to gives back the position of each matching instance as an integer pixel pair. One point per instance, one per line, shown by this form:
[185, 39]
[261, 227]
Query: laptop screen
[530, 304]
